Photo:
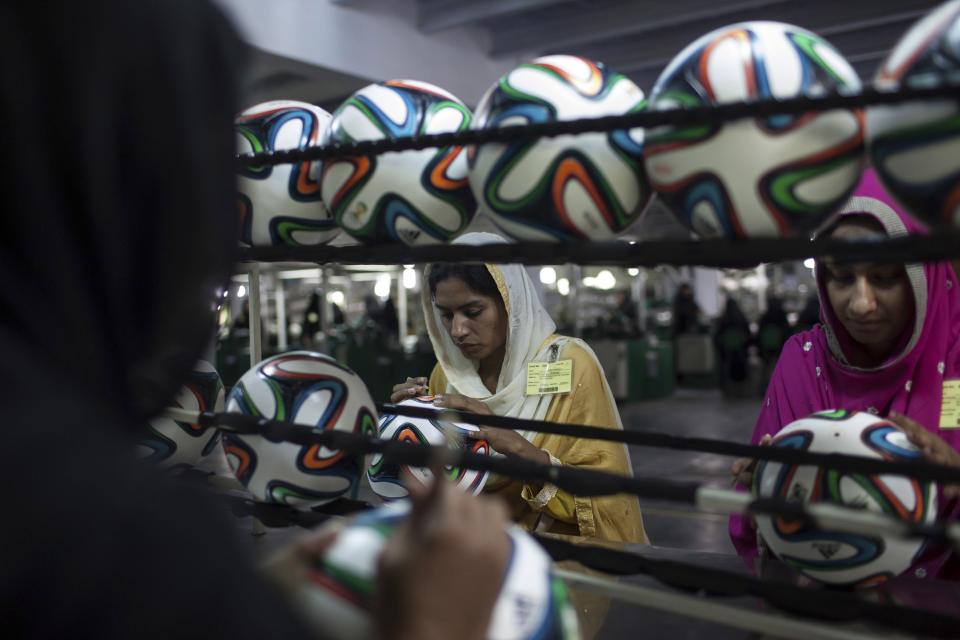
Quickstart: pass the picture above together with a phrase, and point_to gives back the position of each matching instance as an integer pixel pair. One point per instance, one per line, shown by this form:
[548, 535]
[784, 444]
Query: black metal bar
[729, 253]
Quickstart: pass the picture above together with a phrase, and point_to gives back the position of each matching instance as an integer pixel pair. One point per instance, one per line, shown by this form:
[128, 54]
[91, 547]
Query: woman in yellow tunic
[487, 325]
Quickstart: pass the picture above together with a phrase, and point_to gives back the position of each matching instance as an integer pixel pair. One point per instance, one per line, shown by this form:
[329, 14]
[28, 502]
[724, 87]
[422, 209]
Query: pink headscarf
[813, 373]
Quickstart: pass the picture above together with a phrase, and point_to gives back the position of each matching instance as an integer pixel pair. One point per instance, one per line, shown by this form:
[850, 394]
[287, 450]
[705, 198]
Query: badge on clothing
[950, 405]
[544, 378]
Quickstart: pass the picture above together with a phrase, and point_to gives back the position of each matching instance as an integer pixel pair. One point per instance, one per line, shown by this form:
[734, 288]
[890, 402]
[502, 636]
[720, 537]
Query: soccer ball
[309, 389]
[533, 603]
[178, 445]
[837, 557]
[385, 477]
[915, 146]
[414, 197]
[583, 187]
[280, 204]
[774, 176]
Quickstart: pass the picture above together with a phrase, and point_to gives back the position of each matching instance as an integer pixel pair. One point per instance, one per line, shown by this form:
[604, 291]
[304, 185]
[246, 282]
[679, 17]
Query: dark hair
[476, 276]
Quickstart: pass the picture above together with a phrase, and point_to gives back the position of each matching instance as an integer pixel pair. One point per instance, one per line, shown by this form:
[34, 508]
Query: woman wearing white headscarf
[487, 325]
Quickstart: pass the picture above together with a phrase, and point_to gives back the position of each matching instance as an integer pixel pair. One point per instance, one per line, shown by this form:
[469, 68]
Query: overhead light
[382, 288]
[241, 291]
[548, 275]
[335, 297]
[810, 263]
[408, 266]
[409, 278]
[605, 280]
[633, 272]
[563, 286]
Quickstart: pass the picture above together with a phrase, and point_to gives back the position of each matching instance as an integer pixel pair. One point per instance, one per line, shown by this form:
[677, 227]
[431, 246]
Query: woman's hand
[935, 449]
[505, 441]
[412, 388]
[742, 468]
[453, 543]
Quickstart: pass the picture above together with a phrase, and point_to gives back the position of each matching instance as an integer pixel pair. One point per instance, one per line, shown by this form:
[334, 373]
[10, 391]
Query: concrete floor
[689, 412]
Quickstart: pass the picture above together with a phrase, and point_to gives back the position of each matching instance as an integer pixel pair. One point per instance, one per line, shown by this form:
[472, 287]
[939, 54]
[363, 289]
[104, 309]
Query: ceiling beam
[638, 23]
[433, 17]
[844, 26]
[604, 20]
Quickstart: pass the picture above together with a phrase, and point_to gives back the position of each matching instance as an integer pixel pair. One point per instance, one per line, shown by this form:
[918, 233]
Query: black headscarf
[119, 216]
[118, 226]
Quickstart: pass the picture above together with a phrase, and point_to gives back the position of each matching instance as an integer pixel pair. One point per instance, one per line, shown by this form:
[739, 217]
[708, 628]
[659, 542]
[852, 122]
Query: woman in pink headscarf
[889, 339]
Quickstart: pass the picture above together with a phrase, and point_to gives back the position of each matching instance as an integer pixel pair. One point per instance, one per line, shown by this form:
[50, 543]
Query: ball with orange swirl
[313, 390]
[387, 478]
[413, 197]
[574, 187]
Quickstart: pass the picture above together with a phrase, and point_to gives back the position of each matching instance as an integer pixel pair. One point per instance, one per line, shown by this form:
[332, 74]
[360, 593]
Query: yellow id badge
[950, 406]
[549, 377]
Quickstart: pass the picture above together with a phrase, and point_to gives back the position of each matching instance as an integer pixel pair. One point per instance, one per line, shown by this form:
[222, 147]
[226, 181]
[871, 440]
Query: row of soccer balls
[314, 390]
[339, 591]
[773, 176]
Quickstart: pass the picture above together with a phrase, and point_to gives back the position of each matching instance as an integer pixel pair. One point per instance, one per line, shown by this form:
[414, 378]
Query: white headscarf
[529, 327]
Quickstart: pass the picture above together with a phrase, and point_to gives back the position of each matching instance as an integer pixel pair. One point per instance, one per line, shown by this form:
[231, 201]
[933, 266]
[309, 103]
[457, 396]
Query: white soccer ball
[775, 176]
[413, 197]
[386, 478]
[281, 204]
[316, 391]
[915, 146]
[533, 603]
[831, 556]
[575, 187]
[179, 445]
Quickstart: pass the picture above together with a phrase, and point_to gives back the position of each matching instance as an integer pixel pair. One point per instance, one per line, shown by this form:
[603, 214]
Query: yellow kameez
[615, 518]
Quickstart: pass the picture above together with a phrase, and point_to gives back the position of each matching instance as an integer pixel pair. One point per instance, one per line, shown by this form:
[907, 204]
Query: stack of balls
[754, 177]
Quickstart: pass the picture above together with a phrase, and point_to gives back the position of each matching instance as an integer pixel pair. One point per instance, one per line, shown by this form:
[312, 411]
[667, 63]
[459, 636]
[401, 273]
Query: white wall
[375, 39]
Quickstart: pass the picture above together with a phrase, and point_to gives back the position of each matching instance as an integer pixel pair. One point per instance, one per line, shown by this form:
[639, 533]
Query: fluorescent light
[409, 278]
[563, 286]
[605, 280]
[633, 272]
[241, 291]
[548, 275]
[810, 263]
[335, 297]
[382, 288]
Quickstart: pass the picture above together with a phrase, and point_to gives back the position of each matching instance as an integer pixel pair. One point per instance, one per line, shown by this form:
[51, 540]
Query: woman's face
[874, 302]
[477, 323]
